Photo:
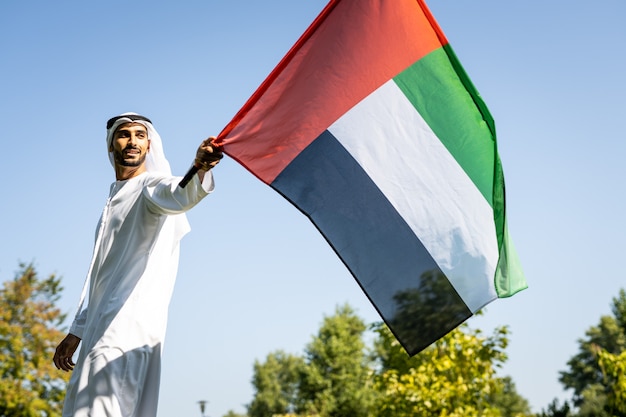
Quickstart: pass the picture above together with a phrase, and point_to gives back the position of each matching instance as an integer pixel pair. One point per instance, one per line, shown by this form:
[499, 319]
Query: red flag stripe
[342, 58]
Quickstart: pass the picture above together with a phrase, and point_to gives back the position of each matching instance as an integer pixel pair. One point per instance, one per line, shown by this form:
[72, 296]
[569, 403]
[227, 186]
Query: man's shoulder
[155, 180]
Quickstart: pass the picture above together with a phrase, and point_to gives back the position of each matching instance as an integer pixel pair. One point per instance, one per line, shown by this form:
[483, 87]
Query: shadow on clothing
[116, 383]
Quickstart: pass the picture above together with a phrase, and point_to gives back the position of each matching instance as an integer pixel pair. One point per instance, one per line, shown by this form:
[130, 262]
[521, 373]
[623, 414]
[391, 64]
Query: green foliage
[231, 413]
[508, 401]
[556, 410]
[614, 371]
[340, 376]
[454, 377]
[30, 385]
[336, 380]
[331, 379]
[593, 402]
[276, 383]
[425, 312]
[592, 387]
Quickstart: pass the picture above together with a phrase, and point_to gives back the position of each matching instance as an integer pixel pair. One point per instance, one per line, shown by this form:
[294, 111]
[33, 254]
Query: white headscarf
[155, 159]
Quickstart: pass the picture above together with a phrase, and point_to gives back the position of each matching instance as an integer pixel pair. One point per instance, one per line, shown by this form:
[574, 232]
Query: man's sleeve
[78, 325]
[167, 197]
[207, 184]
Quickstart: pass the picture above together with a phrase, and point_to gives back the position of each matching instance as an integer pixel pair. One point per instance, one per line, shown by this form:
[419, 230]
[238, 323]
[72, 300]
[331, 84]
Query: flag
[371, 128]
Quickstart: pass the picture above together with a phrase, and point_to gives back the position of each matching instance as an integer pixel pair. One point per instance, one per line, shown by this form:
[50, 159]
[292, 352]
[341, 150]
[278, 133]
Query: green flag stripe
[436, 91]
[509, 278]
[440, 90]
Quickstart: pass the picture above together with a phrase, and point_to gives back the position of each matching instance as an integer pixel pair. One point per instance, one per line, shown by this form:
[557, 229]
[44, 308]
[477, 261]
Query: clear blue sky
[255, 276]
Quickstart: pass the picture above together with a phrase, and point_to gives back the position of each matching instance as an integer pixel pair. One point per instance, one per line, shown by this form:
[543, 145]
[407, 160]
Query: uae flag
[371, 128]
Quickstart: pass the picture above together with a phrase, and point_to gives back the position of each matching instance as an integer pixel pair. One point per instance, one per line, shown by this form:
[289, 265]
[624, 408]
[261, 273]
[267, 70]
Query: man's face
[130, 145]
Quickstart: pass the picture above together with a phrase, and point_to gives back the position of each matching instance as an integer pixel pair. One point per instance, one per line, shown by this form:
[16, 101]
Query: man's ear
[149, 142]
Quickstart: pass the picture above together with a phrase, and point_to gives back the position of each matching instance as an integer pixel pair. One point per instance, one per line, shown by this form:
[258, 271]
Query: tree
[426, 311]
[585, 375]
[30, 385]
[276, 384]
[556, 410]
[339, 375]
[454, 377]
[336, 381]
[614, 371]
[593, 402]
[231, 413]
[332, 378]
[508, 400]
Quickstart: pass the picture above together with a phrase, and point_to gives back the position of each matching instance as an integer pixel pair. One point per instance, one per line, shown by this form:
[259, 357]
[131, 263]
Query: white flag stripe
[425, 184]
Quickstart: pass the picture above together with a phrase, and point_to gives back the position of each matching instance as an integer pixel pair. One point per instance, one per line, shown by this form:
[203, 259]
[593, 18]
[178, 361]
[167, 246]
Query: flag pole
[188, 176]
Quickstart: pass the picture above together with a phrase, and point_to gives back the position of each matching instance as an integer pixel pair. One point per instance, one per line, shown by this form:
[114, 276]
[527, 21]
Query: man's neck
[124, 173]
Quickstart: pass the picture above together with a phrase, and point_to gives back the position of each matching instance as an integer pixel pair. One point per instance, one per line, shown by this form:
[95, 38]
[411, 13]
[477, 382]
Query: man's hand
[208, 155]
[65, 351]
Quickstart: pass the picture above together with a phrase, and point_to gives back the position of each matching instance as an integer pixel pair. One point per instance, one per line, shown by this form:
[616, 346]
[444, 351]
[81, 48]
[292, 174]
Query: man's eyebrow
[130, 128]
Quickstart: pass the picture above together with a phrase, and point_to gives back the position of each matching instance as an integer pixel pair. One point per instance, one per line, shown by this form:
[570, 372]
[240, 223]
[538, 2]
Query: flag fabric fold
[370, 127]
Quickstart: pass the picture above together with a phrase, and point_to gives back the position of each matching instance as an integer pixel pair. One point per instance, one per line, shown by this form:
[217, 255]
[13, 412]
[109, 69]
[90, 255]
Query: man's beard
[119, 159]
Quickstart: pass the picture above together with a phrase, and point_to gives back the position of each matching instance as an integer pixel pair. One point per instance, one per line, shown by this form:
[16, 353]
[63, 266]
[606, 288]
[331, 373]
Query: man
[131, 276]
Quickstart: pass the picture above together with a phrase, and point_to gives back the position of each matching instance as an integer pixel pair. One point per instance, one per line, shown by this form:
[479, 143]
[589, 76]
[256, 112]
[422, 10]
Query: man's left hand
[64, 351]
